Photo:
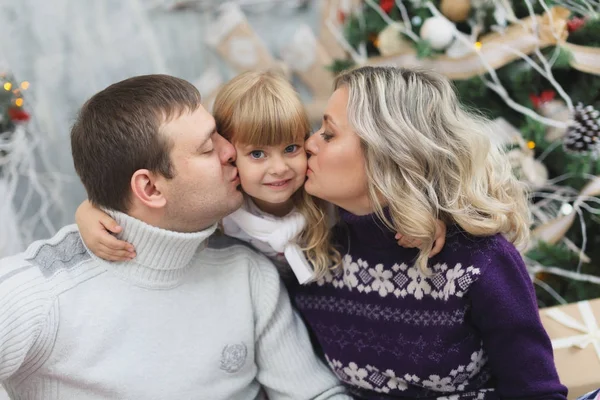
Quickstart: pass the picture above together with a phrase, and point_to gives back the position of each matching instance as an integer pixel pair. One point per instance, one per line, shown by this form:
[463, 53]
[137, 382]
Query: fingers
[112, 257]
[407, 242]
[110, 224]
[111, 254]
[438, 245]
[410, 243]
[440, 238]
[114, 244]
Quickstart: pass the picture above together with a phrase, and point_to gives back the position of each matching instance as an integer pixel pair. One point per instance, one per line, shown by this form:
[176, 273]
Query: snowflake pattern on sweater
[397, 281]
[402, 280]
[468, 329]
[370, 377]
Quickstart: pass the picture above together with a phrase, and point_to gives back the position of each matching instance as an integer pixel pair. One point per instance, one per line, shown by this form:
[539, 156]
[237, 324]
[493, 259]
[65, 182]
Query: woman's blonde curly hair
[428, 157]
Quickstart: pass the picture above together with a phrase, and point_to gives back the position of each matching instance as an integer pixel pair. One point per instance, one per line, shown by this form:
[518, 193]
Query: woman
[397, 151]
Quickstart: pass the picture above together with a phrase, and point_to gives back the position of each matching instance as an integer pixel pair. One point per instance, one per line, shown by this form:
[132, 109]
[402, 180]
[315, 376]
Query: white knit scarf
[281, 235]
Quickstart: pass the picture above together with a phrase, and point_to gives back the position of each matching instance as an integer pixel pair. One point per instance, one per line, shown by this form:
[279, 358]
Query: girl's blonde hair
[430, 158]
[261, 108]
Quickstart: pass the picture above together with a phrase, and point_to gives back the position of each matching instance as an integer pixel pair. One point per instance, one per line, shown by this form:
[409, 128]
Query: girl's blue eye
[257, 154]
[291, 148]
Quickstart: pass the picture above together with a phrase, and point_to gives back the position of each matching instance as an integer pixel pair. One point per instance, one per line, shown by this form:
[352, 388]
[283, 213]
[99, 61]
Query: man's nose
[227, 153]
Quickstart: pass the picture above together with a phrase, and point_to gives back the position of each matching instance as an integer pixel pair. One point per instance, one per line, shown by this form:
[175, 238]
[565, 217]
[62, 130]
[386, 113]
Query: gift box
[575, 335]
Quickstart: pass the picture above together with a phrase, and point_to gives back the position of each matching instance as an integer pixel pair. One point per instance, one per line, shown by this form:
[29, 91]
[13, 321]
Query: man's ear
[144, 188]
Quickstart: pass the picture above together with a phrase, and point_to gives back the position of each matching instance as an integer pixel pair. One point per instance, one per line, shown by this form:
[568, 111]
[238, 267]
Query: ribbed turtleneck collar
[162, 257]
[369, 228]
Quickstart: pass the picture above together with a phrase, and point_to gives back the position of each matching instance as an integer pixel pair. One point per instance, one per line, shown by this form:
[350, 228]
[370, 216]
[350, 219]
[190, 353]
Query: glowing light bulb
[566, 209]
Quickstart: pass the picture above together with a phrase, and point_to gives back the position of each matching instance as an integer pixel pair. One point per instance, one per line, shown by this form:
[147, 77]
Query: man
[184, 320]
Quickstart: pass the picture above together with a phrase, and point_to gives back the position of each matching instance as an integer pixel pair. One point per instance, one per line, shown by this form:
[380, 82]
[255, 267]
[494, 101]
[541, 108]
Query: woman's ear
[145, 190]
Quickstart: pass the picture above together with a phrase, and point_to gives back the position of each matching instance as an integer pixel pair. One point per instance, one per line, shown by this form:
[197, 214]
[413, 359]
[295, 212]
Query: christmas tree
[533, 67]
[11, 112]
[12, 132]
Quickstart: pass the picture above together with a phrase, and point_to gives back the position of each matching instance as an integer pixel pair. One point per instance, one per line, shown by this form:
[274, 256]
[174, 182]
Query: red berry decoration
[18, 115]
[387, 5]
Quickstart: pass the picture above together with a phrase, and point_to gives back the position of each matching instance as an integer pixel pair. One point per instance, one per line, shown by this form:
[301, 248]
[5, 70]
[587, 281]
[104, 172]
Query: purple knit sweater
[471, 331]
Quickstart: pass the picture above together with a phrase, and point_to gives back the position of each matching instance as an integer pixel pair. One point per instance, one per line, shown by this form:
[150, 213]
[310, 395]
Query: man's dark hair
[117, 132]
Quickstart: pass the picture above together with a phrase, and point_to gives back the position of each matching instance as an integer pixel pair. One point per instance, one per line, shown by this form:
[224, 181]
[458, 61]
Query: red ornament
[18, 115]
[341, 16]
[544, 97]
[387, 5]
[575, 23]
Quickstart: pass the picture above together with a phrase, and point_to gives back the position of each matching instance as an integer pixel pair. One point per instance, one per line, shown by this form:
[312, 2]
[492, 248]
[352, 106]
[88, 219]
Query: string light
[477, 45]
[7, 86]
[531, 144]
[24, 85]
[19, 102]
[566, 209]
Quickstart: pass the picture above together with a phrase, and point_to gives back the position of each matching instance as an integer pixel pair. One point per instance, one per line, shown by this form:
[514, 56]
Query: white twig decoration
[28, 197]
[339, 36]
[550, 291]
[535, 268]
[407, 30]
[496, 84]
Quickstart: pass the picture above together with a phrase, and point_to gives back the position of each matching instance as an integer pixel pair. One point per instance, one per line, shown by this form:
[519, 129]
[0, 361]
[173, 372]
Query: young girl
[262, 115]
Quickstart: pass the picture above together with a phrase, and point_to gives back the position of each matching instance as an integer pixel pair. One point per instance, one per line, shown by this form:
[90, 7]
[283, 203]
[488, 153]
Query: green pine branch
[587, 35]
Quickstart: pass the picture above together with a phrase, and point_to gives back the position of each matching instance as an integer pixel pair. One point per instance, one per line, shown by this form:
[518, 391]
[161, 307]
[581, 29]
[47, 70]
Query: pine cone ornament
[583, 132]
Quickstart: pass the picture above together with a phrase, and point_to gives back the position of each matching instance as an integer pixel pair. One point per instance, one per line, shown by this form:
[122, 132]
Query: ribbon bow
[589, 328]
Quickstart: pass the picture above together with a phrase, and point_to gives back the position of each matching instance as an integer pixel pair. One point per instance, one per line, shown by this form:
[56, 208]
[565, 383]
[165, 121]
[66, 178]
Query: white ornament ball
[438, 31]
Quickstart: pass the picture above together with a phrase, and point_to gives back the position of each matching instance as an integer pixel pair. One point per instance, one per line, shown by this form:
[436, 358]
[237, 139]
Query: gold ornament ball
[390, 41]
[456, 10]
